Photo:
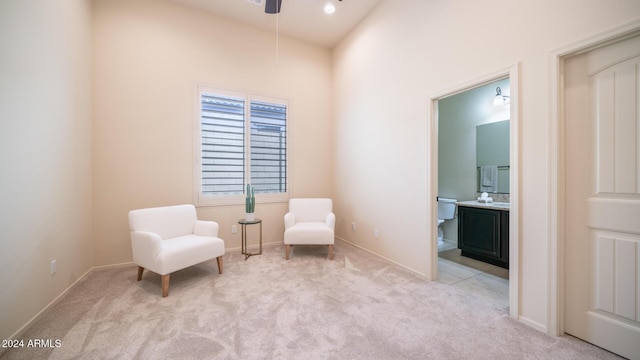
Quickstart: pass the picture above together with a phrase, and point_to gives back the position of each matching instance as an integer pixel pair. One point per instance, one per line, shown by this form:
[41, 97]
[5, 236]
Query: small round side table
[243, 223]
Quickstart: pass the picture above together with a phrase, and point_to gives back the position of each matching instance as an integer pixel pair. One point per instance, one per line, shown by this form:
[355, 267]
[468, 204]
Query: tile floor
[485, 280]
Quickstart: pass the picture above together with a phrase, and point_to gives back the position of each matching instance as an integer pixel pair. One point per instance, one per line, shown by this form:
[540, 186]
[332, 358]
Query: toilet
[446, 211]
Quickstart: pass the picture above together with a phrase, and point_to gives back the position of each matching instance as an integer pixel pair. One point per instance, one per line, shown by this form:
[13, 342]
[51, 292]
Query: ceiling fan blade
[272, 6]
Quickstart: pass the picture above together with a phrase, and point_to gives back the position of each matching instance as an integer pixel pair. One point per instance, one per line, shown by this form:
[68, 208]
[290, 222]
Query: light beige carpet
[354, 307]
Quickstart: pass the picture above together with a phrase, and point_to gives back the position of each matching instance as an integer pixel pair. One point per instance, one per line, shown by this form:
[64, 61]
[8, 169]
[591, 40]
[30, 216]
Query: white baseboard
[533, 324]
[111, 266]
[424, 276]
[37, 316]
[238, 249]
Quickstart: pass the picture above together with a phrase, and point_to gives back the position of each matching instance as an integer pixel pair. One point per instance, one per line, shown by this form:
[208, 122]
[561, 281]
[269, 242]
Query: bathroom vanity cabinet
[483, 234]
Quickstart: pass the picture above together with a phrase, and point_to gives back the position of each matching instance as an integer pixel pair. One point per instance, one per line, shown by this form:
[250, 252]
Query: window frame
[202, 200]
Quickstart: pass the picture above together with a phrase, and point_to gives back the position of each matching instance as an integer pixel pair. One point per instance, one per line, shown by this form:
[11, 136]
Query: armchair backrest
[315, 209]
[167, 221]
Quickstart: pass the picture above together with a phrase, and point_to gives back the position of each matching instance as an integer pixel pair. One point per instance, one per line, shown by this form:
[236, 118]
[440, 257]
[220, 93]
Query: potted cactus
[250, 203]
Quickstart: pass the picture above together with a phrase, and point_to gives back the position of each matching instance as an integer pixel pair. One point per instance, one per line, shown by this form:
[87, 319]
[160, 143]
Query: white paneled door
[602, 189]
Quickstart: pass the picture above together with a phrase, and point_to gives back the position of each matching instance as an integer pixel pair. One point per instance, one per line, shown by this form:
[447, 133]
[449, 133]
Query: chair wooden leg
[140, 270]
[330, 252]
[219, 259]
[287, 249]
[165, 285]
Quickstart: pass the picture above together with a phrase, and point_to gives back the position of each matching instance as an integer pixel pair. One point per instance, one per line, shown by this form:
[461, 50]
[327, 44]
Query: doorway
[511, 74]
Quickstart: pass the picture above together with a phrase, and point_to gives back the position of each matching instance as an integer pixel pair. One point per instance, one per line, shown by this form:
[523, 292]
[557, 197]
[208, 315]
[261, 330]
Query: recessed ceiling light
[329, 8]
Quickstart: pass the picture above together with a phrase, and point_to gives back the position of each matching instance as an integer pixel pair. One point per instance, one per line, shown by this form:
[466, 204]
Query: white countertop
[494, 205]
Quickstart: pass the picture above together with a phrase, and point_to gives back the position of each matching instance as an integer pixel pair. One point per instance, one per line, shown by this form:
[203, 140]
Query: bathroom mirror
[492, 157]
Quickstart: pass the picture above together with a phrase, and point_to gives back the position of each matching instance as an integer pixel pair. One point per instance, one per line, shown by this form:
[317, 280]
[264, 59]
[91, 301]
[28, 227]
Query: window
[240, 139]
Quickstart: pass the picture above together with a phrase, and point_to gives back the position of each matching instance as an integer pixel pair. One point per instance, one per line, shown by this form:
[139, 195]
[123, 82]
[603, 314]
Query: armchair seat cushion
[309, 233]
[183, 251]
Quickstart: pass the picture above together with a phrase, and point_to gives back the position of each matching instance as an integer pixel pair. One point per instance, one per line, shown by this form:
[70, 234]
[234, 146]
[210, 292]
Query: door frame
[556, 155]
[511, 72]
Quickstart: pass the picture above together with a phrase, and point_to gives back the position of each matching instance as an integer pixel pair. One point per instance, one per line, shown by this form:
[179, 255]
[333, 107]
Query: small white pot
[249, 216]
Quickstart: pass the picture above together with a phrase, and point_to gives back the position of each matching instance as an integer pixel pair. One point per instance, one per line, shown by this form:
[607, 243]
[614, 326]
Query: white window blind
[268, 147]
[222, 129]
[228, 159]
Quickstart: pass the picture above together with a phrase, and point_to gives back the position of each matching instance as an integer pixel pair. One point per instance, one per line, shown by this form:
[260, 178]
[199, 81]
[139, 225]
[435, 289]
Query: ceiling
[300, 19]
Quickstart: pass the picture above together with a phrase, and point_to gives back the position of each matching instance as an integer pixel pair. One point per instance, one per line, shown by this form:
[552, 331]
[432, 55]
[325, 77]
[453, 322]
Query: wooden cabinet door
[479, 231]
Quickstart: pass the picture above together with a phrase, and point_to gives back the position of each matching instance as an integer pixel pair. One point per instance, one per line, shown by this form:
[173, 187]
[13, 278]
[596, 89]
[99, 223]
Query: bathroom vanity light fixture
[500, 99]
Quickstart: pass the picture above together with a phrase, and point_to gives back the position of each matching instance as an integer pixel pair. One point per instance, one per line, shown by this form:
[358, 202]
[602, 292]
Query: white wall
[385, 72]
[148, 54]
[45, 154]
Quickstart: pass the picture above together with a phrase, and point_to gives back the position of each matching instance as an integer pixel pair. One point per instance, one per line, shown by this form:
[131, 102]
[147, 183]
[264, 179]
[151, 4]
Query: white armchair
[309, 222]
[171, 238]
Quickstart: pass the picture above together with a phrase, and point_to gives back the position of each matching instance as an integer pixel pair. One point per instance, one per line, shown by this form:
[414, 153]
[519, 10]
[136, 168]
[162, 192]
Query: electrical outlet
[376, 233]
[353, 226]
[234, 229]
[53, 266]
